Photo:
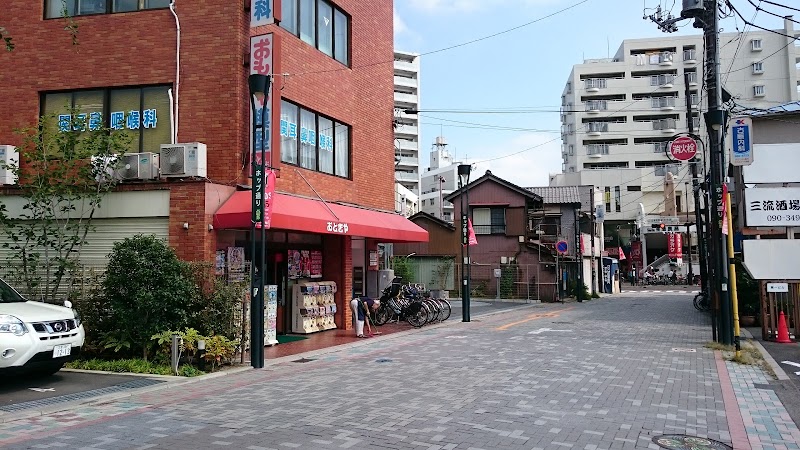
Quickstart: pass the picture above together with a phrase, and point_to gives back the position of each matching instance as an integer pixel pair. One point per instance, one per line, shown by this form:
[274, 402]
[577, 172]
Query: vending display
[314, 307]
[271, 315]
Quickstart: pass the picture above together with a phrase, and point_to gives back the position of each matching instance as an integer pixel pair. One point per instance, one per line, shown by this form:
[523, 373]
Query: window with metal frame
[319, 23]
[59, 8]
[313, 141]
[489, 220]
[144, 112]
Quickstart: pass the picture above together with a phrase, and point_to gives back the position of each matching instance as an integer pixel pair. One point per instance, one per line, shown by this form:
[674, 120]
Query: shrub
[219, 349]
[147, 290]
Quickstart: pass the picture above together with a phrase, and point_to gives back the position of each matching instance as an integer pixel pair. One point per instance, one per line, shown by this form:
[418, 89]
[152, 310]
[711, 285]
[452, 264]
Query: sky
[524, 68]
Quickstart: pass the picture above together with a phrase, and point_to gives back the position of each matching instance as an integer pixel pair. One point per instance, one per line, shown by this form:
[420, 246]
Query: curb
[736, 428]
[178, 382]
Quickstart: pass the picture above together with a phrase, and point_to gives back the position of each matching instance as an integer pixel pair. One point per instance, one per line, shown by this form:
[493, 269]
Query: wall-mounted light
[185, 225]
[210, 227]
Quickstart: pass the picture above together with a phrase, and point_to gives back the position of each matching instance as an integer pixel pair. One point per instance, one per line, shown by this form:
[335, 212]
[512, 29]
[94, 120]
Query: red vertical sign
[636, 254]
[675, 245]
[269, 196]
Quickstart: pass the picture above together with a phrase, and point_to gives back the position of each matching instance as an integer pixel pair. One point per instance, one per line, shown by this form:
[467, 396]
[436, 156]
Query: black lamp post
[259, 90]
[463, 183]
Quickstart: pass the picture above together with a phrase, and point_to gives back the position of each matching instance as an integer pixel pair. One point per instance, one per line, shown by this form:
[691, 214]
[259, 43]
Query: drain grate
[383, 360]
[566, 323]
[303, 360]
[684, 442]
[85, 395]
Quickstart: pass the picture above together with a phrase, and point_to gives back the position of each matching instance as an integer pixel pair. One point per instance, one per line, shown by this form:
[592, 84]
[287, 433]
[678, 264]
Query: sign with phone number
[773, 207]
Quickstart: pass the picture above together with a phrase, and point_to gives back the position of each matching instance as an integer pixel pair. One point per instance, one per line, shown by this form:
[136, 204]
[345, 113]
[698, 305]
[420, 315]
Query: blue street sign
[562, 246]
[741, 141]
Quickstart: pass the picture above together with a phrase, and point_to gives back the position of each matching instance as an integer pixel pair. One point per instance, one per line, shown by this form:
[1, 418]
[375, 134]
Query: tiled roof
[557, 194]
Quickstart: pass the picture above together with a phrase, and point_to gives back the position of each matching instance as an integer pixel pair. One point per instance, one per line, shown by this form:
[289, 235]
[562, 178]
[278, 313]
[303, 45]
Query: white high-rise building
[618, 114]
[407, 130]
[440, 180]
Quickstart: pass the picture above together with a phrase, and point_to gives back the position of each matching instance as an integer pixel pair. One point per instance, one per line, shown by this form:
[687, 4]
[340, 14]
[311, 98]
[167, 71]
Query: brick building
[179, 74]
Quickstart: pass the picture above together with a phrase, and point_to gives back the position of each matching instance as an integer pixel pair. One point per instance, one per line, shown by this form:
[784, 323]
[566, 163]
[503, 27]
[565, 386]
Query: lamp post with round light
[463, 183]
[259, 92]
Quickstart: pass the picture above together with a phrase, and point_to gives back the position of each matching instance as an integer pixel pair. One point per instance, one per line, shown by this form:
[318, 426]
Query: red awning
[304, 214]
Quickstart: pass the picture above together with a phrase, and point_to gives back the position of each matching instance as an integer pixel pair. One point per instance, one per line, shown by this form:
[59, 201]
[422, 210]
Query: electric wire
[759, 26]
[781, 5]
[759, 8]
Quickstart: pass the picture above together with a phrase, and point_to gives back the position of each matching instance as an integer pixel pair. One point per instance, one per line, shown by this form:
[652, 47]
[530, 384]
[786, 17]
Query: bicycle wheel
[383, 314]
[418, 318]
[444, 306]
[699, 302]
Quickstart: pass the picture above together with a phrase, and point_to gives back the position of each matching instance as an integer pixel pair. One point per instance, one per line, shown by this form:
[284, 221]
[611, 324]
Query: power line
[780, 5]
[759, 8]
[758, 26]
[446, 48]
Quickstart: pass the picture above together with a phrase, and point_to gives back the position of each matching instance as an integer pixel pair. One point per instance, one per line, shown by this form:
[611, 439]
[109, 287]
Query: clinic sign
[262, 12]
[772, 207]
[261, 62]
[741, 132]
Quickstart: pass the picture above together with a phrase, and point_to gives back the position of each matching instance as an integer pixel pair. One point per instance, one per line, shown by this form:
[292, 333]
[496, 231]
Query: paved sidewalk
[606, 374]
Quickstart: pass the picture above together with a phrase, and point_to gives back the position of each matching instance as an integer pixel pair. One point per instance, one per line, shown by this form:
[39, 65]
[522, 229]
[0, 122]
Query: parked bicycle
[409, 303]
[702, 300]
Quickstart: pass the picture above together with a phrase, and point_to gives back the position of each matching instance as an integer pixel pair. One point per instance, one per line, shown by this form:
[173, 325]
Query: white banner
[772, 207]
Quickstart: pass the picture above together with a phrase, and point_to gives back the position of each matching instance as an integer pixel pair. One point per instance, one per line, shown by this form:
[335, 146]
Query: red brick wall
[337, 262]
[138, 48]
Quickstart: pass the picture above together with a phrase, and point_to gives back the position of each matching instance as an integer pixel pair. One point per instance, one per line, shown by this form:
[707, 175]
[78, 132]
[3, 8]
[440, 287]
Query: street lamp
[259, 92]
[463, 183]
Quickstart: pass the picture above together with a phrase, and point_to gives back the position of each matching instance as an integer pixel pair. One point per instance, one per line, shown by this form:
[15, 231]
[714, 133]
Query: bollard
[176, 352]
[201, 353]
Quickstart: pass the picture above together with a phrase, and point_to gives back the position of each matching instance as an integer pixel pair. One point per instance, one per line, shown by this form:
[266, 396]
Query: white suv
[34, 336]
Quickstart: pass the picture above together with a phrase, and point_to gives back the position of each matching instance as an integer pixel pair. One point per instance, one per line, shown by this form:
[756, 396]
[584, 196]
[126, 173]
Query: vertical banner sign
[271, 315]
[267, 193]
[636, 253]
[464, 232]
[261, 63]
[261, 12]
[675, 245]
[472, 239]
[741, 133]
[724, 209]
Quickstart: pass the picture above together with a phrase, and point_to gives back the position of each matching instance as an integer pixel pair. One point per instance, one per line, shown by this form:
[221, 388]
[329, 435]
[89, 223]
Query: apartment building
[618, 114]
[407, 129]
[439, 181]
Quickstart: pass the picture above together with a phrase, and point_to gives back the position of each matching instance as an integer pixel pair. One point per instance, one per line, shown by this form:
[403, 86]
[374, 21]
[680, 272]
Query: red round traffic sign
[683, 148]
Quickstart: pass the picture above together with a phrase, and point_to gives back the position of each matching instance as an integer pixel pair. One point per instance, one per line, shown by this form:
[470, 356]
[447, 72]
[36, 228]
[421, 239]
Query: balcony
[664, 81]
[595, 106]
[405, 81]
[406, 177]
[411, 99]
[690, 57]
[408, 162]
[406, 66]
[408, 145]
[665, 59]
[410, 130]
[596, 128]
[597, 150]
[595, 84]
[667, 126]
[692, 78]
[663, 103]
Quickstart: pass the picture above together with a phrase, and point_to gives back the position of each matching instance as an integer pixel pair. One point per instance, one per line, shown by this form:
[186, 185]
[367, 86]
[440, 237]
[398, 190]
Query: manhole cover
[684, 442]
[383, 360]
[303, 360]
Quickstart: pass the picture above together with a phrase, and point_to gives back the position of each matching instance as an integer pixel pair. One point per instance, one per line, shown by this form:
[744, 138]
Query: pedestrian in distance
[360, 306]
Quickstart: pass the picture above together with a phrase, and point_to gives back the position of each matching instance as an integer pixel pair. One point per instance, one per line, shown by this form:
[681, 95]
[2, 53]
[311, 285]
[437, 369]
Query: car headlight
[77, 318]
[10, 324]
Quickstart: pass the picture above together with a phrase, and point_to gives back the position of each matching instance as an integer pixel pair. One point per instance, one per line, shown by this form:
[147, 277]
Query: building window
[618, 198]
[607, 197]
[314, 142]
[689, 54]
[143, 112]
[489, 220]
[755, 45]
[759, 90]
[319, 23]
[56, 8]
[634, 188]
[758, 67]
[678, 204]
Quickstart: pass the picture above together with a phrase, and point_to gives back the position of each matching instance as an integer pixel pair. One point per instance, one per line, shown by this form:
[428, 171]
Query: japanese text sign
[261, 62]
[683, 148]
[772, 207]
[261, 12]
[675, 245]
[741, 134]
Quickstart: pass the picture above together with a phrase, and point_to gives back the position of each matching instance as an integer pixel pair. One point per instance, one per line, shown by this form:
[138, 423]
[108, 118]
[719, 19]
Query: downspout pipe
[177, 70]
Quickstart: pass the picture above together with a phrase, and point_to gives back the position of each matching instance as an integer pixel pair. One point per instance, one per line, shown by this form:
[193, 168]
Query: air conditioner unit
[183, 160]
[9, 158]
[138, 166]
[104, 168]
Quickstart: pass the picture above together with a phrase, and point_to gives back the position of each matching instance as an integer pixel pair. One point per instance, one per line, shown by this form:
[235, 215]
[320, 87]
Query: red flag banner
[473, 240]
[621, 254]
[675, 245]
[724, 209]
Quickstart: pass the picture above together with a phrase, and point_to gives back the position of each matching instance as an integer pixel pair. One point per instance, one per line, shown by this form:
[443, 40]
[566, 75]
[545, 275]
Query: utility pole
[594, 208]
[696, 193]
[705, 13]
[578, 255]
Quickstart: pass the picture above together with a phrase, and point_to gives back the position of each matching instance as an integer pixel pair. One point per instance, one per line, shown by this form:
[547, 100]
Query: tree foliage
[63, 177]
[147, 289]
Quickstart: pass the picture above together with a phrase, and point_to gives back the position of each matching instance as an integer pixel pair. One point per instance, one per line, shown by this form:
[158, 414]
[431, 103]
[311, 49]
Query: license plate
[62, 350]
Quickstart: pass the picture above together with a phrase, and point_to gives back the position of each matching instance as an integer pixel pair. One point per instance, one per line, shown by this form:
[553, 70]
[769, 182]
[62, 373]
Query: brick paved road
[605, 374]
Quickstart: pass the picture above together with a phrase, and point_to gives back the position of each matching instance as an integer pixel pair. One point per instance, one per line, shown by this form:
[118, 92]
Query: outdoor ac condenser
[9, 158]
[139, 166]
[183, 160]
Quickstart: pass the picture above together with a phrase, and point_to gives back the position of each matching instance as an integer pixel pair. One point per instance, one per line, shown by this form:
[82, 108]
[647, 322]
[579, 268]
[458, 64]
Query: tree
[71, 28]
[148, 290]
[66, 168]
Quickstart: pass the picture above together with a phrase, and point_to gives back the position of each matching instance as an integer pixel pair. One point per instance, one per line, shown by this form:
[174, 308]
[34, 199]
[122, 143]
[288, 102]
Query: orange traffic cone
[783, 330]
